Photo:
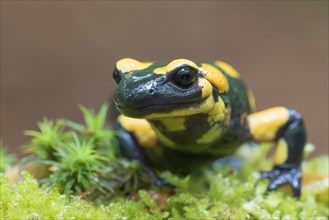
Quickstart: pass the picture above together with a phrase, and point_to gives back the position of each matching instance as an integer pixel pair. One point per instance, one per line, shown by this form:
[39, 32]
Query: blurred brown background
[58, 54]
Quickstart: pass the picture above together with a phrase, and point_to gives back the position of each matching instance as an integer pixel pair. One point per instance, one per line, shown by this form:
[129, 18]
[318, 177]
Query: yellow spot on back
[128, 64]
[215, 77]
[141, 129]
[264, 125]
[281, 153]
[228, 69]
[173, 65]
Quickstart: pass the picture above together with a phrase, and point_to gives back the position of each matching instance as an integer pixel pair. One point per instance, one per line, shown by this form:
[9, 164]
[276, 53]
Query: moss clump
[27, 200]
[79, 159]
[231, 195]
[86, 179]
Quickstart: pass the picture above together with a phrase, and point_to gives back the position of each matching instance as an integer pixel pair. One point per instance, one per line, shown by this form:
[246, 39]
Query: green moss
[87, 183]
[232, 195]
[27, 201]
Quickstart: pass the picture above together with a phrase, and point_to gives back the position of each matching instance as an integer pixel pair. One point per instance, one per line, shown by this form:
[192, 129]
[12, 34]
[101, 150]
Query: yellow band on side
[211, 135]
[141, 129]
[264, 125]
[127, 65]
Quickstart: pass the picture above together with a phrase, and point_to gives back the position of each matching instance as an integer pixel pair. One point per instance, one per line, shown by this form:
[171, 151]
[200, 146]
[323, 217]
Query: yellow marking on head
[215, 77]
[206, 106]
[228, 69]
[264, 125]
[141, 129]
[211, 135]
[219, 113]
[251, 99]
[281, 153]
[127, 64]
[206, 87]
[174, 124]
[173, 65]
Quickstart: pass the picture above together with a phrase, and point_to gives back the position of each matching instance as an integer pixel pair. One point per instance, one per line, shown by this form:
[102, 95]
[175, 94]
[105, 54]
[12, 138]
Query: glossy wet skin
[142, 93]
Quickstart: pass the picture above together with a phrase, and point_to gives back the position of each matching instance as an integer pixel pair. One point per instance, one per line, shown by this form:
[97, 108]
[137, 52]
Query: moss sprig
[77, 168]
[94, 128]
[48, 139]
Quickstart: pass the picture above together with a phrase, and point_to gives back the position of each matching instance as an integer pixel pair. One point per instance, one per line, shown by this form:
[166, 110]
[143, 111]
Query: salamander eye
[185, 76]
[117, 75]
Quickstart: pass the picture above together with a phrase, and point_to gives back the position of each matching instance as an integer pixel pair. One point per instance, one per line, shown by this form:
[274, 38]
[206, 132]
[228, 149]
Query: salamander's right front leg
[134, 137]
[286, 128]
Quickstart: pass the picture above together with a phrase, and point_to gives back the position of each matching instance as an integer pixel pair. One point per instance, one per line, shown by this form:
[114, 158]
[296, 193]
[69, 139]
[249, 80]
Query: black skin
[141, 92]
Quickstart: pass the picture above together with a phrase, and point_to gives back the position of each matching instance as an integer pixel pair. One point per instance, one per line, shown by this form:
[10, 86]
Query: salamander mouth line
[176, 105]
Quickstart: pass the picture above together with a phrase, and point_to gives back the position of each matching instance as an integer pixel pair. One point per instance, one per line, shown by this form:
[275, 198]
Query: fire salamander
[177, 115]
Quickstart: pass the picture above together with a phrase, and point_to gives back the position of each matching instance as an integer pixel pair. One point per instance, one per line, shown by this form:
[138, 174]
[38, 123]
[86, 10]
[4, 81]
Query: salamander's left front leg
[286, 128]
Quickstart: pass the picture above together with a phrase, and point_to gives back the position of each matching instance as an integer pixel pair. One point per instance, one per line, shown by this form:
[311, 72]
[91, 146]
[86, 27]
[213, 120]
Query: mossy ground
[73, 180]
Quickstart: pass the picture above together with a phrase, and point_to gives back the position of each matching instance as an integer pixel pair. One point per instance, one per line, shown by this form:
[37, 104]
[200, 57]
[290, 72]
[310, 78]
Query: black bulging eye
[185, 76]
[117, 75]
